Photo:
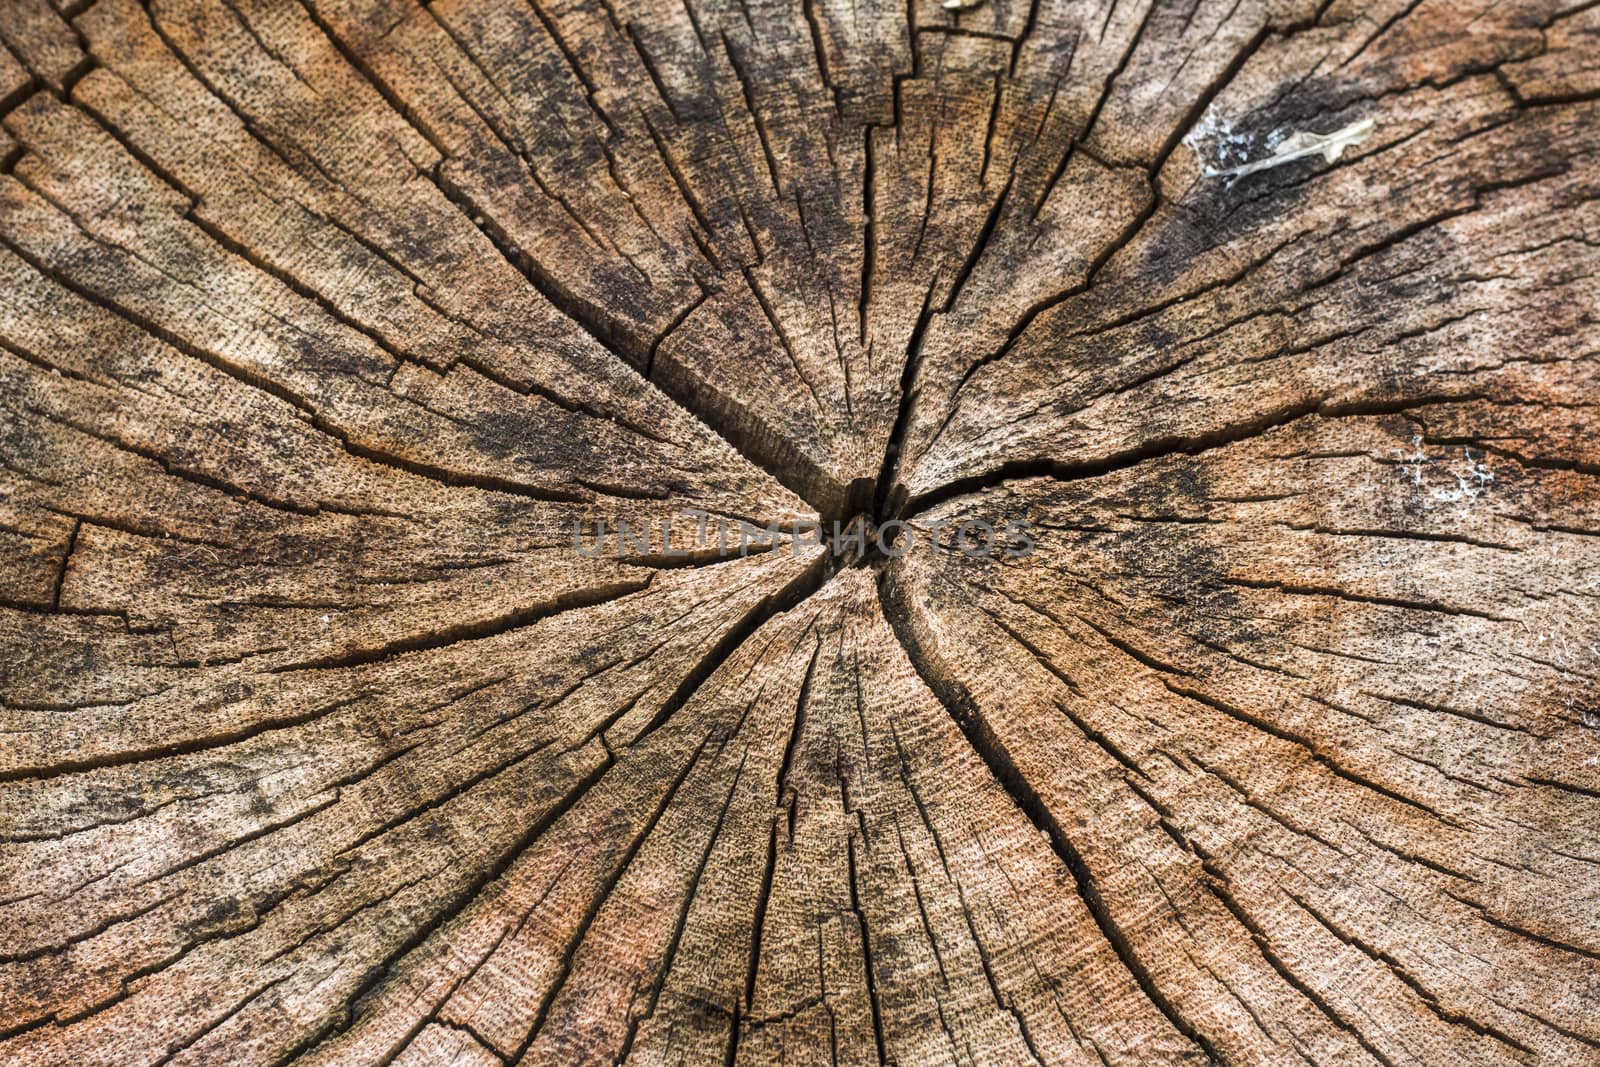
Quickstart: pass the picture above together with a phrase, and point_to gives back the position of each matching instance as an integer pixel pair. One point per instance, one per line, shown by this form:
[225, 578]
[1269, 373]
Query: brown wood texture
[322, 322]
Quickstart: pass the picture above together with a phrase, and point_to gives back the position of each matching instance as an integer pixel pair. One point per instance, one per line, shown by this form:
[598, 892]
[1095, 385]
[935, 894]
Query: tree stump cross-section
[341, 721]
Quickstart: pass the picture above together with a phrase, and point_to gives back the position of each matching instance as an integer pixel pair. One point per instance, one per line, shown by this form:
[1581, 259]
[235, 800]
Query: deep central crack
[854, 543]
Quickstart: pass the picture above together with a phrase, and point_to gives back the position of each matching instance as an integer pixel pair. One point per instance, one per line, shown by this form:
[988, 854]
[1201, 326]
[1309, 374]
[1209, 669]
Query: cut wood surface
[334, 334]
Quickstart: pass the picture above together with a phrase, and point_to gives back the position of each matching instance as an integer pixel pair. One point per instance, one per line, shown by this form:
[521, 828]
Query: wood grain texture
[325, 325]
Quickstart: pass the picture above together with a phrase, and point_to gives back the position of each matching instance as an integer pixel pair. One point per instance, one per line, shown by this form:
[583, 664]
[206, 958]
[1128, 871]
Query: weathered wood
[1268, 734]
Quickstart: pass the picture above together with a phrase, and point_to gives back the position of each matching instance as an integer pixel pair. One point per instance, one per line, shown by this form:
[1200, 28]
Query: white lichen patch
[1456, 484]
[1226, 144]
[1215, 138]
